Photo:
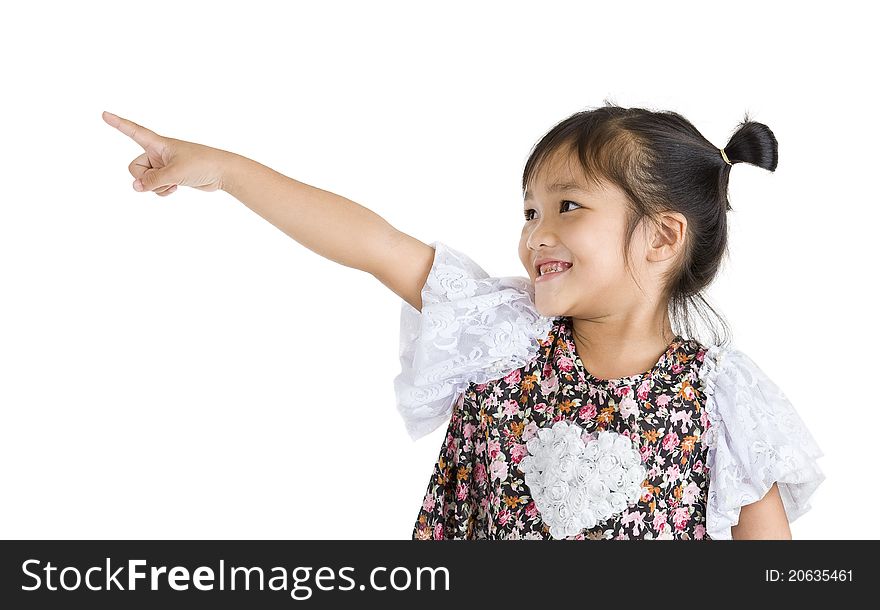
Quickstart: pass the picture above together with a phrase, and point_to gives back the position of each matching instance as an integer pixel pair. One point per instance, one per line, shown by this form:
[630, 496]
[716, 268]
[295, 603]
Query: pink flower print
[699, 531]
[499, 469]
[461, 491]
[670, 441]
[468, 430]
[468, 446]
[628, 407]
[587, 412]
[480, 472]
[513, 378]
[510, 408]
[549, 385]
[531, 510]
[623, 390]
[644, 387]
[565, 364]
[480, 446]
[673, 473]
[438, 531]
[518, 452]
[547, 370]
[621, 536]
[704, 418]
[653, 471]
[698, 466]
[659, 459]
[494, 448]
[690, 493]
[683, 416]
[504, 516]
[481, 387]
[680, 517]
[429, 503]
[677, 368]
[637, 520]
[530, 431]
[663, 400]
[659, 522]
[543, 408]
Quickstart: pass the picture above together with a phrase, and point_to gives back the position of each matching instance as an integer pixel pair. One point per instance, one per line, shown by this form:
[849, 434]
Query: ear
[668, 236]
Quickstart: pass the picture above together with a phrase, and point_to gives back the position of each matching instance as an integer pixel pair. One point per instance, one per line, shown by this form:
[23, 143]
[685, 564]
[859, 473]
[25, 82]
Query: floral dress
[536, 447]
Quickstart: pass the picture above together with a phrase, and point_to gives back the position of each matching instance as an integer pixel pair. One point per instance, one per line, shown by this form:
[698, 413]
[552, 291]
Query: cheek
[525, 257]
[602, 252]
[598, 271]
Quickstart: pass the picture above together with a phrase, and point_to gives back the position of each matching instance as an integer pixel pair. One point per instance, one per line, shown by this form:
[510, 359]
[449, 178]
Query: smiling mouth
[549, 276]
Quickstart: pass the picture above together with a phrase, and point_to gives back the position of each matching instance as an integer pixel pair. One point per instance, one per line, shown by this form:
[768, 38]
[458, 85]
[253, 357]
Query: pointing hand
[167, 163]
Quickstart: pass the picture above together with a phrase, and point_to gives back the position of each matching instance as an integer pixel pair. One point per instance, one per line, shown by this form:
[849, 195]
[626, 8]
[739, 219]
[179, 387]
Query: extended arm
[331, 225]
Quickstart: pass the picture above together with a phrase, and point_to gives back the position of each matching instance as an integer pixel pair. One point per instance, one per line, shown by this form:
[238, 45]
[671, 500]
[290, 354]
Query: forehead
[558, 173]
[557, 187]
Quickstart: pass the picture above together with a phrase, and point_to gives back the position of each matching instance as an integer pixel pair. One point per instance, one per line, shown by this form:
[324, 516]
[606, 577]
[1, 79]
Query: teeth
[553, 267]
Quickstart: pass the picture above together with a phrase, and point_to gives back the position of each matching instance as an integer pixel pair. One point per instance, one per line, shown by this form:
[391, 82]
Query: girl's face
[568, 219]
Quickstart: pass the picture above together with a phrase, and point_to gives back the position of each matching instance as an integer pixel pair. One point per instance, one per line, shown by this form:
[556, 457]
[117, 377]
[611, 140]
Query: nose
[541, 235]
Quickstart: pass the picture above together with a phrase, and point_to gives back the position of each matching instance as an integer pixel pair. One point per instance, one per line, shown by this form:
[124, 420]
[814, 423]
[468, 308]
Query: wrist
[232, 167]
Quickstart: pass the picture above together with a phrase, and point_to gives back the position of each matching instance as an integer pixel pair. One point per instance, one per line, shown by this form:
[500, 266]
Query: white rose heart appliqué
[579, 480]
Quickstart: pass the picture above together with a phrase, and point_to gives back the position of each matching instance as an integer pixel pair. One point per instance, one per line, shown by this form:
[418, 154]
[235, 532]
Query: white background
[179, 368]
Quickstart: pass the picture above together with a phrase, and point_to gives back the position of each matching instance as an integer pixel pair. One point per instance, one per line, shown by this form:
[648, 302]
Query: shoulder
[728, 364]
[737, 389]
[755, 438]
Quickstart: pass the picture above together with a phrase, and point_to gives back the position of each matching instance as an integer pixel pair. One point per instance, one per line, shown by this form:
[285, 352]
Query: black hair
[663, 163]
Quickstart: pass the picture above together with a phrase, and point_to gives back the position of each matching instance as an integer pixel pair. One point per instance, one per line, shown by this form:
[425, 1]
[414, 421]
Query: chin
[548, 313]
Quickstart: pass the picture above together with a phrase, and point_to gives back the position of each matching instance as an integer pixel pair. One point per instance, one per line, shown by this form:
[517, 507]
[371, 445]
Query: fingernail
[138, 185]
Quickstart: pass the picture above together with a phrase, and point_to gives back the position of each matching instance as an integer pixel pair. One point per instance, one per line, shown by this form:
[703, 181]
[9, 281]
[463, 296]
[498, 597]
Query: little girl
[576, 410]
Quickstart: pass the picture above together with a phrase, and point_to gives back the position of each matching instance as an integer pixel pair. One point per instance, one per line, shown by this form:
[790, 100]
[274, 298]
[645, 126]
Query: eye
[526, 212]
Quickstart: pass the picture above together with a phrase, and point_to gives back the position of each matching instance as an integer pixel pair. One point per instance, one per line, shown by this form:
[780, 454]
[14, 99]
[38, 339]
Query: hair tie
[723, 154]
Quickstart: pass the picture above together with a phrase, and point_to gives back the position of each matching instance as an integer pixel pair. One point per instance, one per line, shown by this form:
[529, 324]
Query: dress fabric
[710, 429]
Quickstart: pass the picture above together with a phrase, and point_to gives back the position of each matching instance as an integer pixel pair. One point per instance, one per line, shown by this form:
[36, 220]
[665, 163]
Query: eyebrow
[559, 186]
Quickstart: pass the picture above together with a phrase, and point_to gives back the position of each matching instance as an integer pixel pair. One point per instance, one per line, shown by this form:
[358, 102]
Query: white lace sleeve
[755, 438]
[472, 328]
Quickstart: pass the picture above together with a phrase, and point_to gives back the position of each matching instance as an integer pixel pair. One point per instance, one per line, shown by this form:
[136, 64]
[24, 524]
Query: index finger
[138, 133]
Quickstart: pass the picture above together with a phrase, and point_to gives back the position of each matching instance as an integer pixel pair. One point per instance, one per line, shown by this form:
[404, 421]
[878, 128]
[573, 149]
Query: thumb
[153, 179]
